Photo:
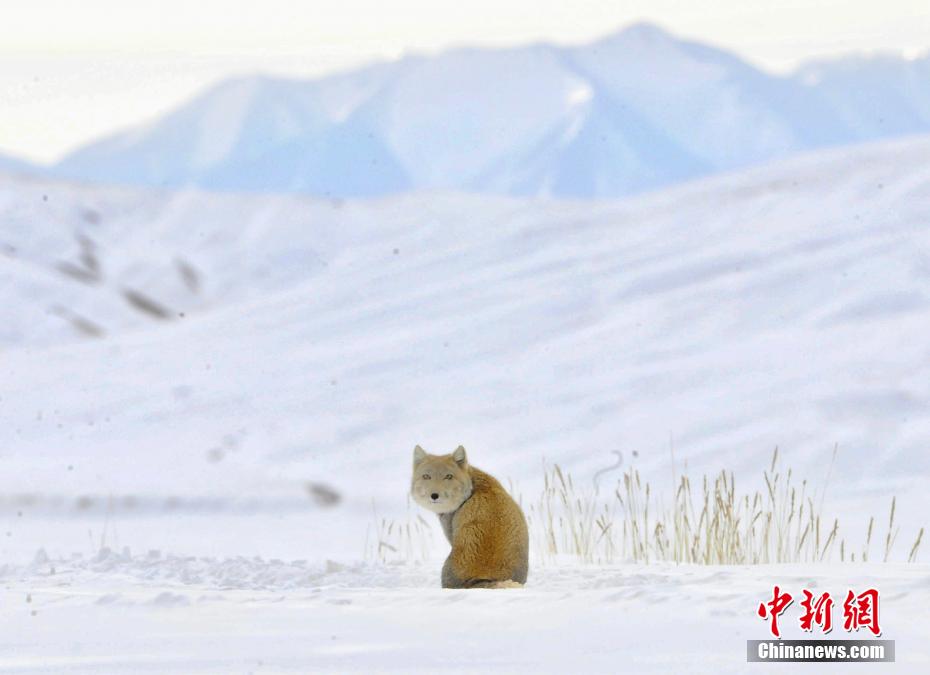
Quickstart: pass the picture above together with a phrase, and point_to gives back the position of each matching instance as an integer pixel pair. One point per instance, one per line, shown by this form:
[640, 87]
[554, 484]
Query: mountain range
[10, 164]
[634, 111]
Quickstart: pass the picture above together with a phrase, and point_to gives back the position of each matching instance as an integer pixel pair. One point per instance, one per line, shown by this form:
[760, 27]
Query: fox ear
[459, 456]
[419, 454]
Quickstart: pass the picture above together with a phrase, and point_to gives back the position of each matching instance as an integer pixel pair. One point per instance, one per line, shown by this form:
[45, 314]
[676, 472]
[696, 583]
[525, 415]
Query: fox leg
[449, 579]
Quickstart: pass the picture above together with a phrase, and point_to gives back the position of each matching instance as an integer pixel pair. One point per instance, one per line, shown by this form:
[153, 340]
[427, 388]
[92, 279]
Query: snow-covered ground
[155, 613]
[321, 340]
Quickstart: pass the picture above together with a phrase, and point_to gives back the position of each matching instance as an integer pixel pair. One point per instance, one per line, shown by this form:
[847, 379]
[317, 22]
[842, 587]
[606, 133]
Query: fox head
[440, 482]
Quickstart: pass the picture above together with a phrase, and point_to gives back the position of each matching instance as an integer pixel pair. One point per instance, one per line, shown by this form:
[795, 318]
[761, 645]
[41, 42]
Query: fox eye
[448, 476]
[425, 476]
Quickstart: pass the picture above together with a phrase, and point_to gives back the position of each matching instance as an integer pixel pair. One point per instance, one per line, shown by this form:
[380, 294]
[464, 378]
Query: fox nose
[434, 496]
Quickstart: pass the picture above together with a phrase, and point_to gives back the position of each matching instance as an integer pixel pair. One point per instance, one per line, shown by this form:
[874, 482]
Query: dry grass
[713, 524]
[407, 540]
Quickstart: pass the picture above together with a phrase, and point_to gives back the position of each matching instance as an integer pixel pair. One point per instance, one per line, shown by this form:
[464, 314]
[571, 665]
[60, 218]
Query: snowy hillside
[206, 400]
[90, 261]
[634, 111]
[784, 306]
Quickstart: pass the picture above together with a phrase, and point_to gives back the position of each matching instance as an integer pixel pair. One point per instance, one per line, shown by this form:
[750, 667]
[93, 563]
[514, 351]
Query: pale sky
[71, 71]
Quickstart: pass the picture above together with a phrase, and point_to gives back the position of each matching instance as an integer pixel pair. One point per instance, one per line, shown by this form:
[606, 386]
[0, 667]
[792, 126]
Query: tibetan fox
[487, 530]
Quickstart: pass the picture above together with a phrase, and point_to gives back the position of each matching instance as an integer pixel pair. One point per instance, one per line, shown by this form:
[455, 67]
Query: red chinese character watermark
[861, 611]
[774, 607]
[819, 611]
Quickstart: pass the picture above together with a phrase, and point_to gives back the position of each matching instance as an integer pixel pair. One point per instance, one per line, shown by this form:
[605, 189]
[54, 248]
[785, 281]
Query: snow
[329, 332]
[144, 240]
[156, 613]
[166, 472]
[14, 164]
[877, 96]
